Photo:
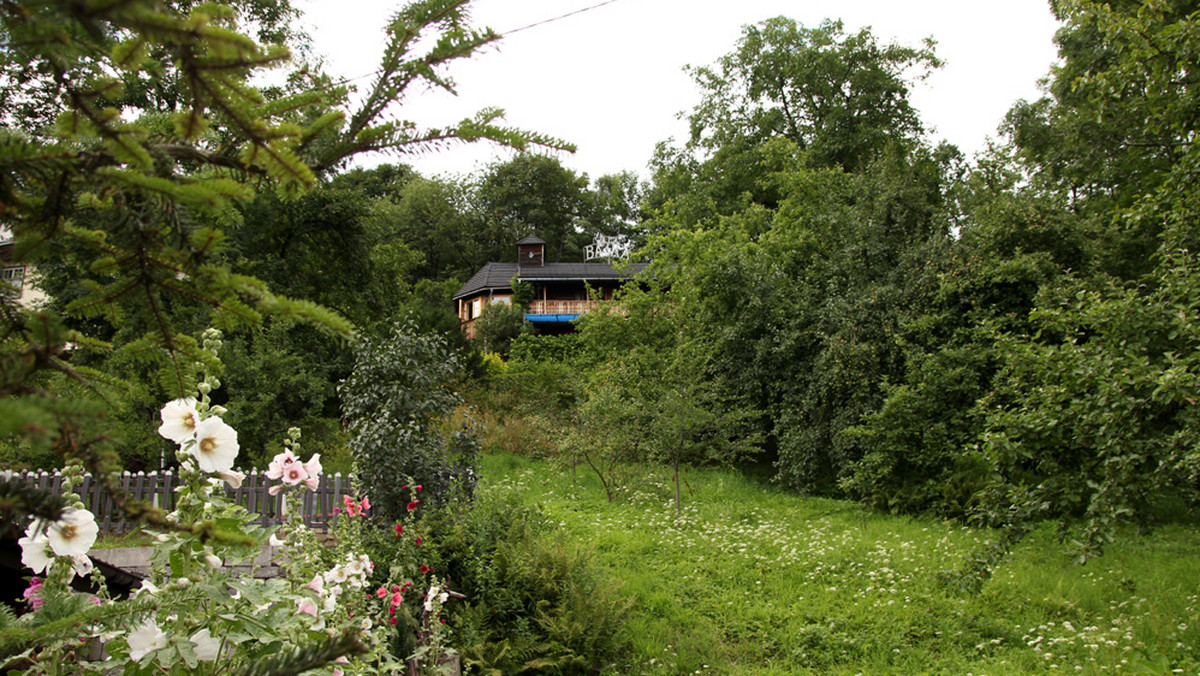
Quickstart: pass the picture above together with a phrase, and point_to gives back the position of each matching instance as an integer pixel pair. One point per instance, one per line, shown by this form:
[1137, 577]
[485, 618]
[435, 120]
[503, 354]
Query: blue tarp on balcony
[552, 319]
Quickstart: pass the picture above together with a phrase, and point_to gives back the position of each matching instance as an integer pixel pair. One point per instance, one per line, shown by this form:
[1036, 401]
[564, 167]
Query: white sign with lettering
[604, 246]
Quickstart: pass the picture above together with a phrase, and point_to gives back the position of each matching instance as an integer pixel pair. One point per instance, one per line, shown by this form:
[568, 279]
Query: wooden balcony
[561, 307]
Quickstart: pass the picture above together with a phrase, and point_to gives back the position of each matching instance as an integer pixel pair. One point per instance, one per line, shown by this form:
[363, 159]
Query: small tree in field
[398, 399]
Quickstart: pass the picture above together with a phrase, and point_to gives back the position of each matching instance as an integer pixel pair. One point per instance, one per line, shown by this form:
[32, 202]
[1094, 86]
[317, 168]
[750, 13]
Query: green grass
[755, 580]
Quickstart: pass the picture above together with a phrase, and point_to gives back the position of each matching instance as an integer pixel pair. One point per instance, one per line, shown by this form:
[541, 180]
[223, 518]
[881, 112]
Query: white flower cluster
[148, 637]
[210, 442]
[72, 535]
[329, 586]
[435, 597]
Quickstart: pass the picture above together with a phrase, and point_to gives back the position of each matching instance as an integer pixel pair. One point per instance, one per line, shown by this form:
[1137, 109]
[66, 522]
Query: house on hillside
[560, 289]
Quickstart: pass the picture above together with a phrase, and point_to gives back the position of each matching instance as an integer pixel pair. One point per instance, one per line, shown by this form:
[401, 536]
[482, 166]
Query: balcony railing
[561, 307]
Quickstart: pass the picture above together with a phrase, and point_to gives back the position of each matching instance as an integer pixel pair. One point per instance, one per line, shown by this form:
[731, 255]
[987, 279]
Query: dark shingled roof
[499, 275]
[530, 239]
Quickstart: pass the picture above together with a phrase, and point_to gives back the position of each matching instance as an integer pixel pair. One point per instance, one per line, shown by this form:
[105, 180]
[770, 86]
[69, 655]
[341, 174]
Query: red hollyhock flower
[418, 487]
[424, 568]
[399, 530]
[412, 505]
[418, 540]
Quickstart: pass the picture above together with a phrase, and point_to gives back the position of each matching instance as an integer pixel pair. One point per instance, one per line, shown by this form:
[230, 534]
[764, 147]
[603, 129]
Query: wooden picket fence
[158, 489]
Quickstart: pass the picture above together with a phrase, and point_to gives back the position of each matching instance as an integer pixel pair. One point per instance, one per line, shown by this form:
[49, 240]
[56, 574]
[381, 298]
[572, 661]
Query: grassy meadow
[751, 579]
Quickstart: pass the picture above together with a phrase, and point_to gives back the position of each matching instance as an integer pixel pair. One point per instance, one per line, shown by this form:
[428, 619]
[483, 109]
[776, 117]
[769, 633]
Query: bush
[531, 348]
[533, 601]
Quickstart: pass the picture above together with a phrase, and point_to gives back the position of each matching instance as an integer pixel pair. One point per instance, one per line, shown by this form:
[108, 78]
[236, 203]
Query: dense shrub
[534, 602]
[529, 347]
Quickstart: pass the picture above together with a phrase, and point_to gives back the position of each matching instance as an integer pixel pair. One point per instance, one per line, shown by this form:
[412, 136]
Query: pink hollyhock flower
[34, 594]
[317, 584]
[418, 487]
[351, 505]
[397, 599]
[274, 490]
[308, 607]
[366, 503]
[381, 592]
[279, 463]
[294, 473]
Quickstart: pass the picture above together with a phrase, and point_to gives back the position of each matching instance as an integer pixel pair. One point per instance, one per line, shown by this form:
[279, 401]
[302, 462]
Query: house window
[504, 300]
[14, 276]
[476, 307]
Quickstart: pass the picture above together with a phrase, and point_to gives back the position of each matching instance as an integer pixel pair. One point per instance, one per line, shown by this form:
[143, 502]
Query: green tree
[498, 326]
[840, 98]
[138, 201]
[1091, 418]
[533, 194]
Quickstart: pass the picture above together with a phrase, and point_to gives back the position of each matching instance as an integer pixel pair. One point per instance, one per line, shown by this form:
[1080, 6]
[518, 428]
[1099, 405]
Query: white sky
[611, 79]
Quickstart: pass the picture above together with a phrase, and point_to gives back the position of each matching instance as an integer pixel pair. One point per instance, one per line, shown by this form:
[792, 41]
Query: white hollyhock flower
[213, 561]
[274, 541]
[179, 420]
[216, 445]
[35, 550]
[81, 565]
[145, 640]
[233, 478]
[74, 533]
[313, 469]
[147, 587]
[207, 647]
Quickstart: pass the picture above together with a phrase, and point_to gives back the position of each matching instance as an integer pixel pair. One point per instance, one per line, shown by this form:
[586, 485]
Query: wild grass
[755, 580]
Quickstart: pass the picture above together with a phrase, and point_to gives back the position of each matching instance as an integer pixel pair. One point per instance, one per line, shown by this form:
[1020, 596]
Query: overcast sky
[611, 79]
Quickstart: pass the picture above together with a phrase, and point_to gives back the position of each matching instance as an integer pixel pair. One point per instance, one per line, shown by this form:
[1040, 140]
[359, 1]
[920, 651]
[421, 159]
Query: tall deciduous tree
[839, 97]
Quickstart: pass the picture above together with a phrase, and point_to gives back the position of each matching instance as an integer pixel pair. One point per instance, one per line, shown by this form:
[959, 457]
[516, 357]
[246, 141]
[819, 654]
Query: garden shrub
[531, 348]
[533, 601]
